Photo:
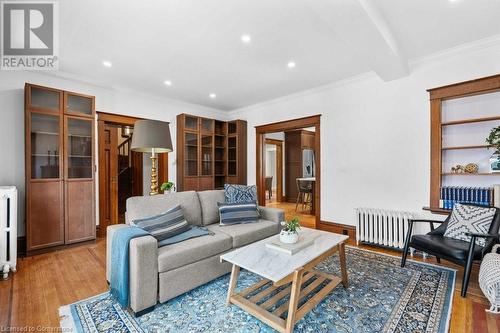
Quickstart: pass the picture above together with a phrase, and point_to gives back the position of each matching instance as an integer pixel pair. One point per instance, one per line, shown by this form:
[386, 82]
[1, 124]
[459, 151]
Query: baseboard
[338, 228]
[21, 246]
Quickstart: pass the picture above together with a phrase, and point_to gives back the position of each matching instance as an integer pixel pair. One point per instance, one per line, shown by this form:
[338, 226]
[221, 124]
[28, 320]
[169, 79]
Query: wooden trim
[468, 121]
[300, 123]
[338, 228]
[116, 118]
[436, 145]
[466, 88]
[288, 125]
[279, 166]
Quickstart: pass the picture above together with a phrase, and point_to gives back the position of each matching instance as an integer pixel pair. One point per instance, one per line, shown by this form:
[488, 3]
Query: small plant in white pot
[289, 234]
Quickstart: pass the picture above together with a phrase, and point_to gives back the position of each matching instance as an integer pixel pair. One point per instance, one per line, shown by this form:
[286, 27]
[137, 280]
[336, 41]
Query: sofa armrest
[110, 231]
[143, 273]
[272, 214]
[143, 268]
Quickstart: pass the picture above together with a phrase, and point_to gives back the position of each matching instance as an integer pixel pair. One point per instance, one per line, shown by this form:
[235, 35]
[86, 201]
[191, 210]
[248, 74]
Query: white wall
[107, 100]
[374, 134]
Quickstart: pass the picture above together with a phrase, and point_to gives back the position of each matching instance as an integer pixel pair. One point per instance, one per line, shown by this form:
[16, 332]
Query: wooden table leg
[235, 272]
[343, 268]
[294, 300]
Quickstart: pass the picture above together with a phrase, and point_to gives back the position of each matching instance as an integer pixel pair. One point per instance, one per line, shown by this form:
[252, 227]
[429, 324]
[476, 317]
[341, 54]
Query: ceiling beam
[366, 33]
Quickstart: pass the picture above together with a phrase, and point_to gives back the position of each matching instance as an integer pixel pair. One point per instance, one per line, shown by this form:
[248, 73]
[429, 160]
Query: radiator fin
[382, 227]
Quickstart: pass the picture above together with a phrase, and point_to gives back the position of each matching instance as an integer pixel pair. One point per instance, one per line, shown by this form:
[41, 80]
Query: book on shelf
[485, 196]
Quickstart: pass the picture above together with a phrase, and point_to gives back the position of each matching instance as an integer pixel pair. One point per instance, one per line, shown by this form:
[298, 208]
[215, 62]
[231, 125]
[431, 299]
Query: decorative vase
[495, 162]
[289, 237]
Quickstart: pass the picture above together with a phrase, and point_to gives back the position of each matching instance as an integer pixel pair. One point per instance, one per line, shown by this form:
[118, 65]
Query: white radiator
[8, 230]
[382, 227]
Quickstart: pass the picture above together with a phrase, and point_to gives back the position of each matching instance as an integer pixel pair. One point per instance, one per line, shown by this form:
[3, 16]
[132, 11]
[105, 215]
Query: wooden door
[79, 172]
[108, 176]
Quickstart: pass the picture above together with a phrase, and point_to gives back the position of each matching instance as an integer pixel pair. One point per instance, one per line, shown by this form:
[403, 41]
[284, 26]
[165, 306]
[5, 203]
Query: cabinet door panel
[45, 214]
[79, 148]
[79, 104]
[44, 145]
[80, 216]
[44, 99]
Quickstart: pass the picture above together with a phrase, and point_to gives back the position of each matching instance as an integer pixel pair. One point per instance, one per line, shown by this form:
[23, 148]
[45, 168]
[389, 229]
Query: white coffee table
[279, 269]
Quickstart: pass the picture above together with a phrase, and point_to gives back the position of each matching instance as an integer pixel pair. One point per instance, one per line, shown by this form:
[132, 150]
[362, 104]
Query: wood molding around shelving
[437, 96]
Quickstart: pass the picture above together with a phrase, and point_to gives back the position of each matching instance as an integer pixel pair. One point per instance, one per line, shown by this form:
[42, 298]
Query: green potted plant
[289, 233]
[167, 187]
[493, 140]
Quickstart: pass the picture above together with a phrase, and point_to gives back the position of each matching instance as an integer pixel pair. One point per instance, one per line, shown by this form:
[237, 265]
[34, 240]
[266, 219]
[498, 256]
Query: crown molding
[461, 49]
[126, 90]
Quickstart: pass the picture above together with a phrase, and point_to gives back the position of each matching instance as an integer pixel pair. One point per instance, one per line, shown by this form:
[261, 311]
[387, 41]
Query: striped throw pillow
[237, 213]
[165, 225]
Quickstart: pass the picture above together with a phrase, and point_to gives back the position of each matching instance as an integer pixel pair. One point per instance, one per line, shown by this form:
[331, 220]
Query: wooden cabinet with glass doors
[203, 148]
[59, 168]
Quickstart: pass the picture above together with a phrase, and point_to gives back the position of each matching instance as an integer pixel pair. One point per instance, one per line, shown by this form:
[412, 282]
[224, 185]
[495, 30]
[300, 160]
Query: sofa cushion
[240, 193]
[238, 213]
[208, 202]
[192, 250]
[163, 226]
[469, 219]
[141, 207]
[244, 234]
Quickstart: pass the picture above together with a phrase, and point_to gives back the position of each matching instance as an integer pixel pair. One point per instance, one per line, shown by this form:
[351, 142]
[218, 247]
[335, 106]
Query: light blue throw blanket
[119, 280]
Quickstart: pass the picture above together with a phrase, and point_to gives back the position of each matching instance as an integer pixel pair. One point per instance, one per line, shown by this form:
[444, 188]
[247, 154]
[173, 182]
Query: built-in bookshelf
[462, 116]
[210, 153]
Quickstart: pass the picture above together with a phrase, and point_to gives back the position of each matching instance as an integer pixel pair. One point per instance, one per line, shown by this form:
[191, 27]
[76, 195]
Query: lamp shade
[151, 135]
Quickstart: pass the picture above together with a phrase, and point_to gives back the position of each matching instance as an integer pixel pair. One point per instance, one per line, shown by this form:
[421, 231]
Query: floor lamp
[152, 136]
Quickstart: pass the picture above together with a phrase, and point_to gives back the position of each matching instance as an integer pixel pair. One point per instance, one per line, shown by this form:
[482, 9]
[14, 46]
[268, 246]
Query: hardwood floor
[306, 219]
[33, 295]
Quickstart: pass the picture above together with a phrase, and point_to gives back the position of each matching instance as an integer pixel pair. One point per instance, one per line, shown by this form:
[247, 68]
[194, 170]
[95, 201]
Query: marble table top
[275, 265]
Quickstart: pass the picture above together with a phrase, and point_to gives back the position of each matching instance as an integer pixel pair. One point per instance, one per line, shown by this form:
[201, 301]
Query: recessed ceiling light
[291, 64]
[246, 38]
[212, 95]
[106, 63]
[167, 83]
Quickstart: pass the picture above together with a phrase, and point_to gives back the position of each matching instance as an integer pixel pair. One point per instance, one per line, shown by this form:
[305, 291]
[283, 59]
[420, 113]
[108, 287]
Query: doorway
[120, 169]
[300, 190]
[274, 170]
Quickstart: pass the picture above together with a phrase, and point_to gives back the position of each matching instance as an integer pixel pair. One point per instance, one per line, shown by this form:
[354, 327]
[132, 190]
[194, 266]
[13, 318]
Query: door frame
[282, 126]
[279, 166]
[104, 118]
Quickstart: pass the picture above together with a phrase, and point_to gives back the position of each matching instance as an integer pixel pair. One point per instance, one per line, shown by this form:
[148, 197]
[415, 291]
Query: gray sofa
[166, 272]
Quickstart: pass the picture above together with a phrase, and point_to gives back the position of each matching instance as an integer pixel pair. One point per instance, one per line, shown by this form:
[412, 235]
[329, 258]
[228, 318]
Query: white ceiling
[197, 46]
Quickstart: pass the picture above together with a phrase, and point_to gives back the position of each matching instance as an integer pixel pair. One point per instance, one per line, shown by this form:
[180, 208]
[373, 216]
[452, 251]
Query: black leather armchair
[457, 251]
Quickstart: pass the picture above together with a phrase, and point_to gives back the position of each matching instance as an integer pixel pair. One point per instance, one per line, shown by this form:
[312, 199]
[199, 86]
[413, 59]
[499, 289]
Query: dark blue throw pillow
[238, 213]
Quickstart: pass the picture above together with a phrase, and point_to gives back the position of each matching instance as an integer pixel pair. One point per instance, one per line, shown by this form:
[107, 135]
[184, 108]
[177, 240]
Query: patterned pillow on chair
[474, 219]
[240, 193]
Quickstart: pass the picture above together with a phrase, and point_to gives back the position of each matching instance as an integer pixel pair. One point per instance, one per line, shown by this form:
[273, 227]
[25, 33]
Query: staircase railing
[124, 150]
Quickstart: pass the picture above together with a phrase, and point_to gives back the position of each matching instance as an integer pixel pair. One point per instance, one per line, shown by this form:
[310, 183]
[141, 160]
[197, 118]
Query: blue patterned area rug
[382, 297]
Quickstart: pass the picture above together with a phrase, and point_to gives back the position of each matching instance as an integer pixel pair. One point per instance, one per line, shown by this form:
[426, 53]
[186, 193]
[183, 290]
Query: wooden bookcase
[60, 167]
[210, 153]
[462, 115]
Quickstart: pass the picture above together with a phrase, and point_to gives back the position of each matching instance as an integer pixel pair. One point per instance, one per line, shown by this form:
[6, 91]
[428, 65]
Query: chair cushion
[166, 225]
[240, 193]
[444, 247]
[243, 234]
[238, 213]
[192, 250]
[466, 218]
[209, 208]
[141, 207]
